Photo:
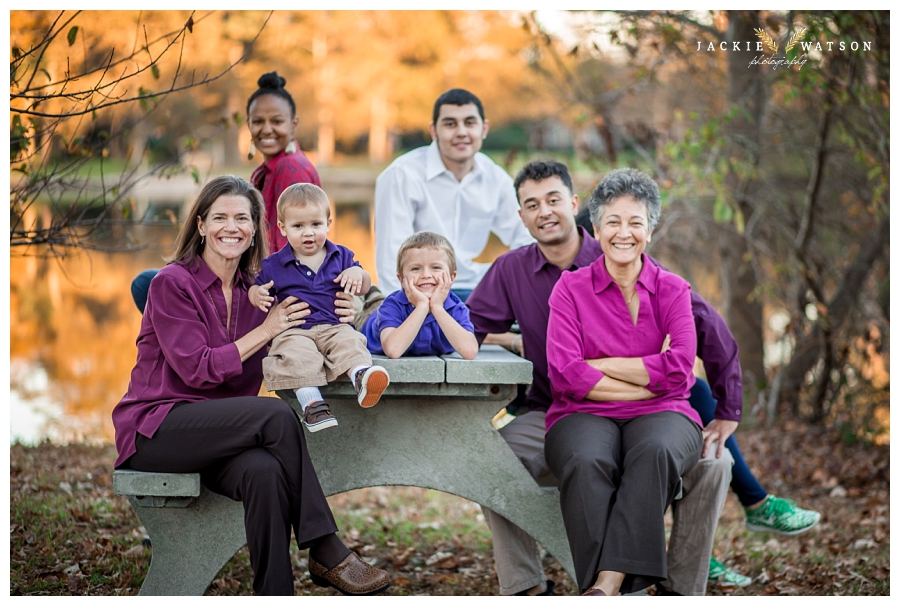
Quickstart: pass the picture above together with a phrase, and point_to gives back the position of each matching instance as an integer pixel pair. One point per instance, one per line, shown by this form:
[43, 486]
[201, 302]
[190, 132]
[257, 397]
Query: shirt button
[657, 385]
[309, 273]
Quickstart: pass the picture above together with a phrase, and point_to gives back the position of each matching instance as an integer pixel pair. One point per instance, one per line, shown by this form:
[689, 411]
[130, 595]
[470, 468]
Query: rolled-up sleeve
[185, 341]
[569, 373]
[394, 222]
[672, 369]
[490, 309]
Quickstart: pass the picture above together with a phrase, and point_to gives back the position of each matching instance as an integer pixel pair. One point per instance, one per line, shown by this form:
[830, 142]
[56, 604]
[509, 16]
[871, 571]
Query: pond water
[73, 326]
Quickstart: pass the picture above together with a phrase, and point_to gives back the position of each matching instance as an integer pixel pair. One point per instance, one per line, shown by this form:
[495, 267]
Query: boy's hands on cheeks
[351, 279]
[441, 291]
[413, 294]
[259, 296]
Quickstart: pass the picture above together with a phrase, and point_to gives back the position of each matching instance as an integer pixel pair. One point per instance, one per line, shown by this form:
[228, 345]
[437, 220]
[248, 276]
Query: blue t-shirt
[430, 341]
[292, 278]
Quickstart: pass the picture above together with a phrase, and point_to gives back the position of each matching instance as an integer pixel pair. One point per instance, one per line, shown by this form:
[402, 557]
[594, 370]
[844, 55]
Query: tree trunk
[379, 138]
[741, 305]
[808, 350]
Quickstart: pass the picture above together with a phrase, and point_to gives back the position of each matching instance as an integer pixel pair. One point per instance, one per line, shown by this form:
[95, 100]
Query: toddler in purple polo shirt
[317, 349]
[424, 318]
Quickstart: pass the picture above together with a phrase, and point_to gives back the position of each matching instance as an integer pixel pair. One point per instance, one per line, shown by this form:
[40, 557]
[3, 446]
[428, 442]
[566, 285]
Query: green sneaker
[725, 577]
[781, 516]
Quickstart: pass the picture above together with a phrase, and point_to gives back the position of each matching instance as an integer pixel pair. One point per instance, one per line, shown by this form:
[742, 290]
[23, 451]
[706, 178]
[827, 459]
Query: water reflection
[73, 327]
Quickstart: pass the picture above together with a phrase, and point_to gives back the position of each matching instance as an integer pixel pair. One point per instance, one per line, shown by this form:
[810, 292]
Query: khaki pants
[314, 356]
[517, 556]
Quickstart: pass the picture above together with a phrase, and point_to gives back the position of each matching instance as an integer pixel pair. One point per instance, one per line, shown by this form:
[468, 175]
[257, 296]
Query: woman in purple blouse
[193, 406]
[620, 432]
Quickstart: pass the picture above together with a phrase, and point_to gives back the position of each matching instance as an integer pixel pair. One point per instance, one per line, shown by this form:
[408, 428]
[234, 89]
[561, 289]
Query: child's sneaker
[725, 577]
[318, 416]
[370, 384]
[781, 516]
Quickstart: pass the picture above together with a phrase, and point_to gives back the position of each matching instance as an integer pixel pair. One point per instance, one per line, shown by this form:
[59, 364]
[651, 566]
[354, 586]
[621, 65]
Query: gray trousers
[704, 488]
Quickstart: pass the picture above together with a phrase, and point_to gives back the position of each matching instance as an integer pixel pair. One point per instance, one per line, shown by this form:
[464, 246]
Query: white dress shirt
[418, 193]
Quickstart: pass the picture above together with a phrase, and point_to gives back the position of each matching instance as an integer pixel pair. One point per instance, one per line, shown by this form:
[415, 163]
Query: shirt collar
[602, 279]
[205, 277]
[587, 254]
[285, 255]
[434, 165]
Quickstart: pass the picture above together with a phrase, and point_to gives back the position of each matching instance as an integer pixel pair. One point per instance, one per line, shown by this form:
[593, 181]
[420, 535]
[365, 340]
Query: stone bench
[432, 429]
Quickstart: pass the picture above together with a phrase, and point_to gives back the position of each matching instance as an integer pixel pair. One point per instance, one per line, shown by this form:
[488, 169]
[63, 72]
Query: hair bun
[271, 80]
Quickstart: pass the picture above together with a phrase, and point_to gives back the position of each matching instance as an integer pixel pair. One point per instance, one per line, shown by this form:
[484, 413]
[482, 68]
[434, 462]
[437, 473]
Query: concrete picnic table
[431, 429]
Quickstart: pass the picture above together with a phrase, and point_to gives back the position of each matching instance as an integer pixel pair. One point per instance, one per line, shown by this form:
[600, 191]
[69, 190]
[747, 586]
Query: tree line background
[775, 181]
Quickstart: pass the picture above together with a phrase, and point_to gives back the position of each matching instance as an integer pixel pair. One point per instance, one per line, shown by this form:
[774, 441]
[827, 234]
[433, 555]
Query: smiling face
[548, 210]
[459, 132]
[623, 231]
[228, 229]
[271, 124]
[305, 227]
[421, 267]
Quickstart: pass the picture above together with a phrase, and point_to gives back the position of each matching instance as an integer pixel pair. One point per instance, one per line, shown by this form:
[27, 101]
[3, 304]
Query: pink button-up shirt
[589, 319]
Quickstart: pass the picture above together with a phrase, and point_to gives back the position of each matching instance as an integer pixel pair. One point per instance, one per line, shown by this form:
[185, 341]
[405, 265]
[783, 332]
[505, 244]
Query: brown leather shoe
[350, 577]
[594, 591]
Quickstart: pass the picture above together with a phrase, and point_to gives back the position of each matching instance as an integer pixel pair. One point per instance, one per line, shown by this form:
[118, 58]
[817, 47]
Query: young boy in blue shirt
[320, 348]
[424, 318]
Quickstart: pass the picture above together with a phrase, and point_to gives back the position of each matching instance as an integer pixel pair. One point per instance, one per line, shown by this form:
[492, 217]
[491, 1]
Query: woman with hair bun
[272, 118]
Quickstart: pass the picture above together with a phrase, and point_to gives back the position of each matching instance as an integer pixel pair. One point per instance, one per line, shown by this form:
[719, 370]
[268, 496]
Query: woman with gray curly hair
[620, 432]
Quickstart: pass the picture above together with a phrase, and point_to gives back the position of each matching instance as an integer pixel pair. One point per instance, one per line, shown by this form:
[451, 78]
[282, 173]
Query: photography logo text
[768, 47]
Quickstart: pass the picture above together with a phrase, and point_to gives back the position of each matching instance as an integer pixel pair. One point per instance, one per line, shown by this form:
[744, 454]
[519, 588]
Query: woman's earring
[253, 241]
[290, 148]
[252, 151]
[202, 240]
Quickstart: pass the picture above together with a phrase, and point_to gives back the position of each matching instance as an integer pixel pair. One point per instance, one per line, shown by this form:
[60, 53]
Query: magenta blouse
[589, 319]
[185, 353]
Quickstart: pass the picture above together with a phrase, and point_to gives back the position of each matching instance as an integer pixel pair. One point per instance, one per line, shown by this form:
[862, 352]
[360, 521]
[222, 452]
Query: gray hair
[626, 182]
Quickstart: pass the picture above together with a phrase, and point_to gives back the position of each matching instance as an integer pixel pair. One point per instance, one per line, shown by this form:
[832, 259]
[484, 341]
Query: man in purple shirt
[517, 288]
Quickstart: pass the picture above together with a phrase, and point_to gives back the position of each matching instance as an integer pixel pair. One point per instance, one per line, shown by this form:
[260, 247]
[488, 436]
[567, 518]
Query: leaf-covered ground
[69, 535]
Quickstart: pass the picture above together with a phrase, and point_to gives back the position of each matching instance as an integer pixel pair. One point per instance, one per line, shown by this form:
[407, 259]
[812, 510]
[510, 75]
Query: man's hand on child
[415, 296]
[259, 296]
[441, 291]
[343, 307]
[351, 280]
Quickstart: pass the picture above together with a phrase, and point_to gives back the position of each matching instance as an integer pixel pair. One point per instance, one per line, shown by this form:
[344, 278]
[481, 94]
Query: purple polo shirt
[184, 351]
[430, 341]
[517, 288]
[589, 319]
[293, 278]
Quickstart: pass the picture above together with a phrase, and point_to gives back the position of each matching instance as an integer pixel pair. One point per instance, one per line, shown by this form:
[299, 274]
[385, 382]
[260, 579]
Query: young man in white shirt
[448, 187]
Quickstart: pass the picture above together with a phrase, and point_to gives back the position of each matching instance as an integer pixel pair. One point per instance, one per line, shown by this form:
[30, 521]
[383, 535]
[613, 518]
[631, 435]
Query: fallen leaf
[440, 556]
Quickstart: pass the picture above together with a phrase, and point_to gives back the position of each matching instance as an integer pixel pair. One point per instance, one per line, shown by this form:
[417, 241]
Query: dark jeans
[252, 450]
[743, 482]
[140, 286]
[462, 293]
